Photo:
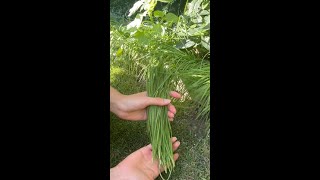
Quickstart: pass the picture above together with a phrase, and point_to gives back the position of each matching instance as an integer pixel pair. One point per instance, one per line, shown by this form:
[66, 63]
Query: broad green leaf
[207, 19]
[196, 6]
[193, 7]
[141, 37]
[205, 41]
[197, 19]
[159, 29]
[185, 44]
[204, 12]
[158, 14]
[189, 9]
[196, 32]
[206, 27]
[170, 17]
[189, 44]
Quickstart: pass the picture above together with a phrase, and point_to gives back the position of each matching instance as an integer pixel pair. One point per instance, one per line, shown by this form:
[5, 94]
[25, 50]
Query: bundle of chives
[158, 124]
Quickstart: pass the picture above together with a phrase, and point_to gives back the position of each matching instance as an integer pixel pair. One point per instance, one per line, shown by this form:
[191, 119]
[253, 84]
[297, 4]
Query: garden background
[178, 32]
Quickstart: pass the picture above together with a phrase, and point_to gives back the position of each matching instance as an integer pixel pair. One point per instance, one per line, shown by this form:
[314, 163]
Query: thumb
[157, 101]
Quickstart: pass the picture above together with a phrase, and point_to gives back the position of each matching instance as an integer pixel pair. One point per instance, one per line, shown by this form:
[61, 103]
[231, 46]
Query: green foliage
[153, 32]
[183, 42]
[194, 27]
[191, 30]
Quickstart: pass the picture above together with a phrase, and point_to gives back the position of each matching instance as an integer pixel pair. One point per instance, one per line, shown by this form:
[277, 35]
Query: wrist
[116, 101]
[115, 104]
[114, 173]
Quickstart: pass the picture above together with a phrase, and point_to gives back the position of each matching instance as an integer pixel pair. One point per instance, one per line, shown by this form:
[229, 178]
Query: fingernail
[166, 101]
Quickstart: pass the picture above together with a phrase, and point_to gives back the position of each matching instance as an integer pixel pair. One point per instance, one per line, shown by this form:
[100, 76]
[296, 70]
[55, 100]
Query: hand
[139, 164]
[133, 107]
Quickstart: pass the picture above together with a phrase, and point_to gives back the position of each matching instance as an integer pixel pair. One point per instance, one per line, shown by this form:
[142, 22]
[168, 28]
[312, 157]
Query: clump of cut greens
[158, 124]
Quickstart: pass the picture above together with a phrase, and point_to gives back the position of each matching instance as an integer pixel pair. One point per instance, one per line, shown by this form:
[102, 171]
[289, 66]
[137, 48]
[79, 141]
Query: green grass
[128, 136]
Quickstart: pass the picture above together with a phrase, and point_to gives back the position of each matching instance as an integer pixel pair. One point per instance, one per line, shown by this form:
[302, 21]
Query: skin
[139, 164]
[133, 107]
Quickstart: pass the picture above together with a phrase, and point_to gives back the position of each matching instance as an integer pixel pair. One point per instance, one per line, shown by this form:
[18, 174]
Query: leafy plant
[193, 27]
[166, 52]
[156, 34]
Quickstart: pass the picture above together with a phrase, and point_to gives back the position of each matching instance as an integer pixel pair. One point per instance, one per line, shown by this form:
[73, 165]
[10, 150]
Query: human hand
[133, 107]
[140, 164]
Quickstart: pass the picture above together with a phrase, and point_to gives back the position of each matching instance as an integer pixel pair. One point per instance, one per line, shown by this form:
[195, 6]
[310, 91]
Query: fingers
[157, 101]
[174, 139]
[172, 109]
[149, 146]
[175, 145]
[175, 94]
[175, 156]
[161, 101]
[170, 115]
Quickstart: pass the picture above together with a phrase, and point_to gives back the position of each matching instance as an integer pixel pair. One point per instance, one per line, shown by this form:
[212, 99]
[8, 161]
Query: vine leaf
[159, 29]
[204, 12]
[207, 19]
[170, 17]
[205, 41]
[158, 14]
[184, 44]
[141, 37]
[196, 31]
[193, 7]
